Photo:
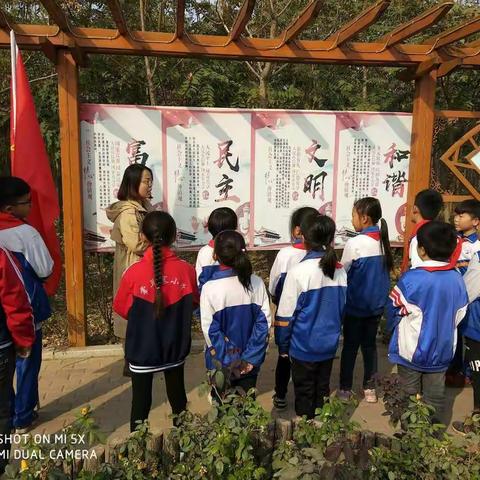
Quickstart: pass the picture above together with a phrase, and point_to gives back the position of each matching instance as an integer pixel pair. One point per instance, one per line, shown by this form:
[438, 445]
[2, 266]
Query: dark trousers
[7, 369]
[142, 394]
[430, 385]
[457, 364]
[26, 396]
[311, 383]
[472, 355]
[359, 332]
[282, 376]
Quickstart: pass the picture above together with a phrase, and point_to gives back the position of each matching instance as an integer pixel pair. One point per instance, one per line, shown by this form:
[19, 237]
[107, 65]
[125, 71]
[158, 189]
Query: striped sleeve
[286, 312]
[254, 352]
[396, 306]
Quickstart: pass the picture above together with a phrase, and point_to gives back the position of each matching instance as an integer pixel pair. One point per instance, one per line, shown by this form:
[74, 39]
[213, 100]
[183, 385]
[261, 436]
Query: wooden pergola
[68, 47]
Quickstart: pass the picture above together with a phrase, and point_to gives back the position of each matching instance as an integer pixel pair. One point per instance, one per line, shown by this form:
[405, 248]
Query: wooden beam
[448, 67]
[456, 198]
[422, 69]
[118, 17]
[421, 144]
[416, 25]
[474, 44]
[360, 23]
[243, 17]
[302, 22]
[456, 114]
[49, 49]
[56, 14]
[107, 41]
[455, 34]
[180, 20]
[72, 197]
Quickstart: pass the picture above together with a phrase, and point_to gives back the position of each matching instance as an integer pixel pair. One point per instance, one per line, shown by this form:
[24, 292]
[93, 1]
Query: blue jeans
[7, 369]
[26, 398]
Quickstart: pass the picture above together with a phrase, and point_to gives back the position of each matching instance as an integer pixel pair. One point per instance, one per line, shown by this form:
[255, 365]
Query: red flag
[30, 162]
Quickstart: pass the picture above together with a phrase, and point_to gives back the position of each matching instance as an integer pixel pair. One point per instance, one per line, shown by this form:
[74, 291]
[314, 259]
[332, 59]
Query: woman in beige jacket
[127, 215]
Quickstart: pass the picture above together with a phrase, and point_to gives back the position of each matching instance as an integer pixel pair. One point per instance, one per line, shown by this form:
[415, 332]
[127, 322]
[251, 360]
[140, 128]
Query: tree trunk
[148, 69]
[364, 86]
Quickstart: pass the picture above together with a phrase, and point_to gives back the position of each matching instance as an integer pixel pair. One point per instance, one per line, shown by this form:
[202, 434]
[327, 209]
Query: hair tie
[244, 250]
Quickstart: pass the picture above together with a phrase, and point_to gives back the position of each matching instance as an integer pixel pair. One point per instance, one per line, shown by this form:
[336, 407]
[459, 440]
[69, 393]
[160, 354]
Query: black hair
[161, 231]
[371, 207]
[439, 240]
[429, 203]
[221, 219]
[472, 207]
[231, 251]
[318, 232]
[299, 215]
[132, 177]
[11, 190]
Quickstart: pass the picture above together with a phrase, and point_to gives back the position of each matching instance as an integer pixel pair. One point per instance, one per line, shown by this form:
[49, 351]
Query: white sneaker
[370, 395]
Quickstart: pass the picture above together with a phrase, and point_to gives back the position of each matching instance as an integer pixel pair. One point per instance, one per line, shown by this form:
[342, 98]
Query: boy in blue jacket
[470, 329]
[424, 310]
[36, 265]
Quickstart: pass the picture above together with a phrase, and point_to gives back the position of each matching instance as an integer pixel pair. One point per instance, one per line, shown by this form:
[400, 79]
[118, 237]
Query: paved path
[66, 385]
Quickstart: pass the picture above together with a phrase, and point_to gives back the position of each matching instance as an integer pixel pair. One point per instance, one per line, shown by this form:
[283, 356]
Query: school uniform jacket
[235, 322]
[16, 317]
[415, 259]
[286, 258]
[470, 327]
[309, 316]
[424, 309]
[368, 278]
[205, 266]
[470, 245]
[35, 261]
[154, 344]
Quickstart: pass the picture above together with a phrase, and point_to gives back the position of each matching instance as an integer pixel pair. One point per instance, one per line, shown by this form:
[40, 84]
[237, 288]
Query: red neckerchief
[299, 245]
[211, 243]
[7, 220]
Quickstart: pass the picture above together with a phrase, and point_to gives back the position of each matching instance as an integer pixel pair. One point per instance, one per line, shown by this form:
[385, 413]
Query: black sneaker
[279, 403]
[459, 427]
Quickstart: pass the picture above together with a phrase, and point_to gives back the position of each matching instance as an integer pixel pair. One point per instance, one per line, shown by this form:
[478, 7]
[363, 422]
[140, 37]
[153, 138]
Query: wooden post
[72, 196]
[421, 147]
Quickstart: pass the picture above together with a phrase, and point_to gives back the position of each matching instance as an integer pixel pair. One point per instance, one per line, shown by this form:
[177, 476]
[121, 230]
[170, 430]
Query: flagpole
[13, 54]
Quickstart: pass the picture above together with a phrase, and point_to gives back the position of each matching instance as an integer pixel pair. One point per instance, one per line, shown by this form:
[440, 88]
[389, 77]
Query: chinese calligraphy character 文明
[313, 184]
[225, 154]
[397, 182]
[311, 150]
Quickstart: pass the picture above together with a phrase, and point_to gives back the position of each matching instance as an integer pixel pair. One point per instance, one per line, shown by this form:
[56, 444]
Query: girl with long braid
[157, 296]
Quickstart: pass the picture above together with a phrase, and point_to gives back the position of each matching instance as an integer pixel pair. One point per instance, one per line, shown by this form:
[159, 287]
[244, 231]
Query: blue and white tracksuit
[286, 258]
[235, 322]
[470, 326]
[309, 317]
[470, 245]
[27, 245]
[205, 265]
[367, 275]
[424, 310]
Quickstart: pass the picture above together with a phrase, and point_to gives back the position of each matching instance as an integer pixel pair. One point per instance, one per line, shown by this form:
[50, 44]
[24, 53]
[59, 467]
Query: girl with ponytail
[157, 296]
[235, 313]
[309, 316]
[368, 260]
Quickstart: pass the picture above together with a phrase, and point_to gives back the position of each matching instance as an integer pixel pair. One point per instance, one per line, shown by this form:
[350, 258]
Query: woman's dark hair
[429, 203]
[221, 219]
[439, 240]
[319, 232]
[299, 215]
[231, 251]
[132, 177]
[371, 207]
[11, 189]
[160, 230]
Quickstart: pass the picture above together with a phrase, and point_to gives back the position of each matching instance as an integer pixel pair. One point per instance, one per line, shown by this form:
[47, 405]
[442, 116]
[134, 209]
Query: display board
[263, 164]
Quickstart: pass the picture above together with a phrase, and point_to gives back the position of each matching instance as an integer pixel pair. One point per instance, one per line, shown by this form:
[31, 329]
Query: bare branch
[252, 69]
